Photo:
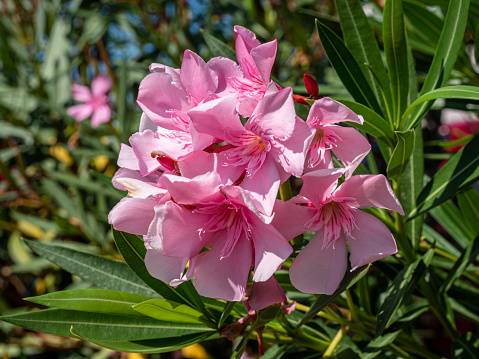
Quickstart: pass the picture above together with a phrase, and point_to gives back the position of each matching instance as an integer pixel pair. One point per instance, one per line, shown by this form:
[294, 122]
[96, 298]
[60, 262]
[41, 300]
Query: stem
[352, 307]
[285, 191]
[337, 338]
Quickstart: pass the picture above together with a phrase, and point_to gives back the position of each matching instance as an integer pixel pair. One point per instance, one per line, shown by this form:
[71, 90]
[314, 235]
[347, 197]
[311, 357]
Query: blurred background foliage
[55, 172]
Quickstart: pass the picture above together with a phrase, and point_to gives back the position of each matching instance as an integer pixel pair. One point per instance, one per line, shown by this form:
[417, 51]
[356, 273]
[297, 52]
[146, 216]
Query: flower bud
[311, 85]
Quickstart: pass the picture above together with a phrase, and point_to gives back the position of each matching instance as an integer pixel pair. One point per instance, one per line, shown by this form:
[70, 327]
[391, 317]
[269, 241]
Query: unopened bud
[311, 85]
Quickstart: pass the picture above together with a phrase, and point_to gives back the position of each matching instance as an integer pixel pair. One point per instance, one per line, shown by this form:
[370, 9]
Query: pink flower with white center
[256, 61]
[270, 146]
[203, 212]
[349, 146]
[334, 214]
[95, 104]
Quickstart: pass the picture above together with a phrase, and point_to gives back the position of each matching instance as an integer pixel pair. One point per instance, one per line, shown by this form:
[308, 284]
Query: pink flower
[270, 146]
[95, 102]
[256, 61]
[203, 212]
[349, 146]
[333, 213]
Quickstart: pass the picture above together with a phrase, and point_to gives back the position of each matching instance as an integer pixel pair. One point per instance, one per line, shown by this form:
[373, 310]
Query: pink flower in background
[333, 213]
[95, 102]
[349, 146]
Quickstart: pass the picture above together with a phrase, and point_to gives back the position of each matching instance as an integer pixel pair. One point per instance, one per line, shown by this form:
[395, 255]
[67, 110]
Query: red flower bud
[299, 99]
[311, 85]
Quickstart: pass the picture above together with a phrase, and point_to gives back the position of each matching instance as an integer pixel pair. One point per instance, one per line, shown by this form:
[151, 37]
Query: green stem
[285, 191]
[334, 344]
[352, 307]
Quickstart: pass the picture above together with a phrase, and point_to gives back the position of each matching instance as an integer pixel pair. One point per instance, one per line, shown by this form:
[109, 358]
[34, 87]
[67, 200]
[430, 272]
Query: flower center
[322, 141]
[227, 215]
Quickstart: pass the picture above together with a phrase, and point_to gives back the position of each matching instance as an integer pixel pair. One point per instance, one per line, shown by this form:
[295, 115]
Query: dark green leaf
[403, 150]
[469, 204]
[378, 345]
[104, 272]
[167, 310]
[102, 326]
[324, 300]
[347, 68]
[396, 51]
[445, 56]
[360, 40]
[226, 312]
[458, 173]
[467, 257]
[218, 47]
[92, 300]
[411, 185]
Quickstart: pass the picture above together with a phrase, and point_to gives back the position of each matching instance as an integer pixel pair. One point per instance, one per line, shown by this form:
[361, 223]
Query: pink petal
[274, 115]
[271, 249]
[370, 241]
[147, 124]
[143, 145]
[240, 196]
[80, 112]
[81, 93]
[225, 69]
[291, 152]
[326, 111]
[351, 148]
[319, 270]
[139, 188]
[200, 189]
[158, 95]
[263, 186]
[199, 140]
[247, 40]
[290, 219]
[213, 117]
[136, 175]
[247, 106]
[133, 215]
[166, 269]
[127, 158]
[101, 115]
[264, 294]
[199, 80]
[325, 163]
[226, 277]
[175, 231]
[365, 191]
[263, 55]
[101, 85]
[318, 185]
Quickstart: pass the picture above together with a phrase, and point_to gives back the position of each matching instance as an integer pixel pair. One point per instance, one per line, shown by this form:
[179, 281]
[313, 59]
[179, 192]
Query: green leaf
[469, 204]
[104, 272]
[413, 311]
[401, 286]
[218, 47]
[133, 250]
[373, 124]
[403, 150]
[458, 92]
[467, 257]
[411, 185]
[101, 326]
[458, 173]
[149, 346]
[396, 49]
[360, 40]
[226, 312]
[92, 300]
[347, 68]
[378, 345]
[445, 56]
[466, 347]
[324, 300]
[163, 309]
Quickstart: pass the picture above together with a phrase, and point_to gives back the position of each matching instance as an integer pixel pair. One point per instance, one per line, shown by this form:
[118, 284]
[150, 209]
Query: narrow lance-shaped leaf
[104, 272]
[466, 347]
[360, 40]
[402, 285]
[148, 346]
[469, 205]
[403, 150]
[218, 47]
[347, 68]
[92, 300]
[163, 309]
[446, 53]
[459, 92]
[101, 326]
[411, 186]
[467, 257]
[458, 173]
[395, 49]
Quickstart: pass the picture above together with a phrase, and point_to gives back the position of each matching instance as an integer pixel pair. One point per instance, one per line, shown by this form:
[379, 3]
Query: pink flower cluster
[216, 141]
